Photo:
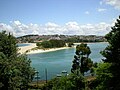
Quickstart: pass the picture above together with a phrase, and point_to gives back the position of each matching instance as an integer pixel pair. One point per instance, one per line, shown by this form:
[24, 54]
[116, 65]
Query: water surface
[23, 44]
[57, 61]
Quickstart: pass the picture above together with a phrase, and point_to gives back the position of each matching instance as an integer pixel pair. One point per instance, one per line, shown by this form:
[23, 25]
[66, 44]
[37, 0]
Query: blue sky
[66, 16]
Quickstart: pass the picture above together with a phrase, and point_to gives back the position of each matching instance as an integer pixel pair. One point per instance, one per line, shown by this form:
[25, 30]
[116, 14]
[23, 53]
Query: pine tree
[112, 55]
[15, 69]
[81, 60]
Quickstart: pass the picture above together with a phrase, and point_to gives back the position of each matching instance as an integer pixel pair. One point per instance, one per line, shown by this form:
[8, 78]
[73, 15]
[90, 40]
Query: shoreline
[90, 42]
[23, 49]
[28, 48]
[47, 50]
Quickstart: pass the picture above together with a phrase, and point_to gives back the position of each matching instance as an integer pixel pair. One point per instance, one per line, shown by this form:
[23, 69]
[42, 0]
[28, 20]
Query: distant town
[66, 38]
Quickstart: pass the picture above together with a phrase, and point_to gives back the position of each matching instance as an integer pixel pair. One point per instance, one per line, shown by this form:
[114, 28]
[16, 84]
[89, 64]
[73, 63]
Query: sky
[68, 17]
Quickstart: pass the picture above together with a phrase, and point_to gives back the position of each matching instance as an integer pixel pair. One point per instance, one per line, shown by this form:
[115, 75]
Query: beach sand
[23, 49]
[33, 45]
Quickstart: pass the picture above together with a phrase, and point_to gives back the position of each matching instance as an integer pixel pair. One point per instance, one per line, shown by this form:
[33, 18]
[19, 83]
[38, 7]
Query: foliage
[81, 60]
[70, 82]
[46, 44]
[70, 44]
[83, 49]
[51, 44]
[112, 55]
[15, 70]
[108, 74]
[8, 44]
[103, 76]
[78, 39]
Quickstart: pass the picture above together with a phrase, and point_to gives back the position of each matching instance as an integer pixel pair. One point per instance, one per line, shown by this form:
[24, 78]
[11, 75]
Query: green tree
[103, 75]
[15, 69]
[81, 59]
[8, 44]
[70, 82]
[57, 43]
[112, 55]
[46, 44]
[70, 44]
[51, 44]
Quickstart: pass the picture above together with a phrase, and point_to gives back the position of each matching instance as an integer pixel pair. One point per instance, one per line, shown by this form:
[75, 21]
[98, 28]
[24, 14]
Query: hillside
[66, 38]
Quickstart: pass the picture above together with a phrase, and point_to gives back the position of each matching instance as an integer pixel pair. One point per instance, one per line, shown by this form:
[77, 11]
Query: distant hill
[66, 38]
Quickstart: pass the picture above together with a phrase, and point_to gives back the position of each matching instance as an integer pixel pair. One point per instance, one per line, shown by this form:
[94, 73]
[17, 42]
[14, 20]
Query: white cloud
[70, 28]
[101, 9]
[96, 29]
[73, 28]
[50, 24]
[101, 2]
[87, 12]
[17, 22]
[6, 27]
[114, 3]
[51, 28]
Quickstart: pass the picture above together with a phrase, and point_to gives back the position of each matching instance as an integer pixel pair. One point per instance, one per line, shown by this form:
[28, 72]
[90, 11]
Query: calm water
[57, 61]
[22, 45]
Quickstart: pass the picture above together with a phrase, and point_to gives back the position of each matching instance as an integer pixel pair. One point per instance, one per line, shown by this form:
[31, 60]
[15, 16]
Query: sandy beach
[23, 49]
[33, 45]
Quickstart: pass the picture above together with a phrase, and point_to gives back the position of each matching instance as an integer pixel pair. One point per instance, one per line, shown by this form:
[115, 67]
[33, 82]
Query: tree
[70, 82]
[103, 75]
[46, 44]
[112, 55]
[81, 59]
[70, 44]
[51, 44]
[15, 69]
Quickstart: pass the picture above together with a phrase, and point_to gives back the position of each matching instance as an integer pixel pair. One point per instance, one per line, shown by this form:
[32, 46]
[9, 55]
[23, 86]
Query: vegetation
[70, 44]
[90, 38]
[15, 69]
[112, 56]
[51, 44]
[81, 60]
[70, 82]
[108, 74]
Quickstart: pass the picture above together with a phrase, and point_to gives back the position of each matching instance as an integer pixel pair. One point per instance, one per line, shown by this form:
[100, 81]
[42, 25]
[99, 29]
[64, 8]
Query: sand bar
[23, 49]
[33, 45]
[47, 50]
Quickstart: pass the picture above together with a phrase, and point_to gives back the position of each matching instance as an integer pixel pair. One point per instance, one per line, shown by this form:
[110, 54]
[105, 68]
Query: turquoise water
[22, 45]
[57, 61]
